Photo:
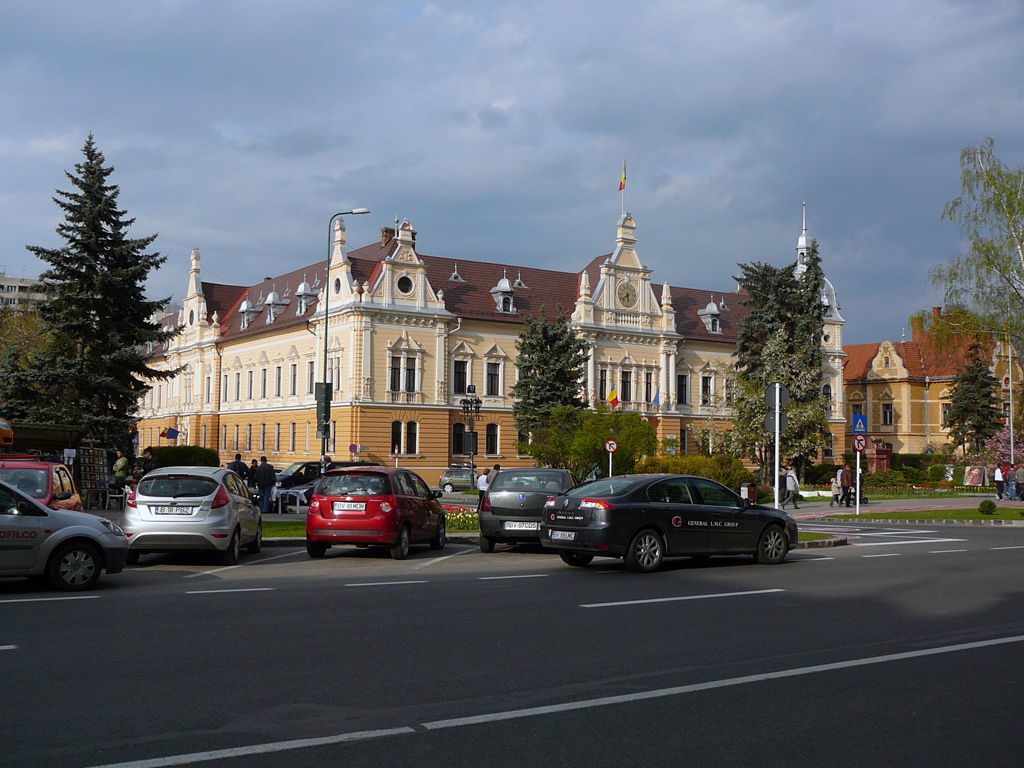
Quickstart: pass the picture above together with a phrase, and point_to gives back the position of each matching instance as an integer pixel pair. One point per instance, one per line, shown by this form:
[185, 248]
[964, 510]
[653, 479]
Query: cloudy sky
[499, 130]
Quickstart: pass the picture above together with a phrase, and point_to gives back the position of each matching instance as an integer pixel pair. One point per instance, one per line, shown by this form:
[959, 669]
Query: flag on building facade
[613, 398]
[169, 433]
[657, 397]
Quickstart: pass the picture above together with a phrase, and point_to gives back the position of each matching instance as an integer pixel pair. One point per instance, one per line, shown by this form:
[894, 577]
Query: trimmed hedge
[722, 468]
[185, 456]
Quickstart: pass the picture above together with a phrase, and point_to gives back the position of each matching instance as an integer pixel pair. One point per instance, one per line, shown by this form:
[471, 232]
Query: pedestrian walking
[265, 479]
[837, 491]
[239, 467]
[1011, 480]
[148, 460]
[846, 483]
[999, 479]
[792, 488]
[250, 479]
[490, 475]
[482, 483]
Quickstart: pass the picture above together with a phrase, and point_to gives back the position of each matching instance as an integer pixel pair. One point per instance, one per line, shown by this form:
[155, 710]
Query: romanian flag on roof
[613, 398]
[622, 181]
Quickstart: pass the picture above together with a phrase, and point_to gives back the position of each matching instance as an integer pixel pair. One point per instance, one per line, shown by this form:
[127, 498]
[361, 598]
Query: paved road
[894, 651]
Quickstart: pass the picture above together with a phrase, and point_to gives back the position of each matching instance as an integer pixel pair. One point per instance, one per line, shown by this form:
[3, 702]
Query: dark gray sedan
[512, 506]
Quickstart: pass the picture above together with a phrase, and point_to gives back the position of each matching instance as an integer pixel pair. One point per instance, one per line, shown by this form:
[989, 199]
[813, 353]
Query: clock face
[626, 294]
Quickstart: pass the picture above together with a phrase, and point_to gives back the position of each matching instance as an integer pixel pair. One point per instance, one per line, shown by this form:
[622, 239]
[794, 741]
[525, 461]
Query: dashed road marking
[888, 554]
[384, 583]
[222, 591]
[676, 599]
[49, 599]
[523, 576]
[944, 551]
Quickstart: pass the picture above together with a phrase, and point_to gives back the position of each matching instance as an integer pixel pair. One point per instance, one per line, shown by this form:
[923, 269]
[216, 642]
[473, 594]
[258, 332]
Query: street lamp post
[325, 393]
[471, 410]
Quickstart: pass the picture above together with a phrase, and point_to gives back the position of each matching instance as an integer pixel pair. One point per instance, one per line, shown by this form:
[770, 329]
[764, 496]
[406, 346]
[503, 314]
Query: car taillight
[550, 501]
[485, 503]
[387, 504]
[314, 505]
[130, 501]
[221, 499]
[595, 504]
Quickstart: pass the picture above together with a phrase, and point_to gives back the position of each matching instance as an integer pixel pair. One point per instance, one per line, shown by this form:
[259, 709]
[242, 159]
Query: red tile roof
[921, 359]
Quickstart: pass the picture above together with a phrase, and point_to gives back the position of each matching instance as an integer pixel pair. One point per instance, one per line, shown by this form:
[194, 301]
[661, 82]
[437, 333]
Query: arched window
[396, 437]
[492, 439]
[412, 430]
[826, 392]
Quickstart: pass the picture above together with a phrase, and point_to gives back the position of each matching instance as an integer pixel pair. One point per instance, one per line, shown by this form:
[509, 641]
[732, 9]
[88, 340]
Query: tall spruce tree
[92, 370]
[973, 408]
[780, 341]
[552, 362]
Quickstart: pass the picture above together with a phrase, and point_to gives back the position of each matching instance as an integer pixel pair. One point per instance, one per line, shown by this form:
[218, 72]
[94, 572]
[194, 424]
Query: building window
[459, 442]
[263, 437]
[826, 392]
[522, 440]
[263, 383]
[730, 390]
[410, 375]
[460, 379]
[277, 381]
[248, 438]
[396, 437]
[223, 438]
[412, 430]
[493, 379]
[310, 377]
[277, 436]
[249, 387]
[492, 439]
[396, 376]
[626, 386]
[224, 388]
[829, 450]
[682, 388]
[887, 414]
[203, 438]
[707, 389]
[236, 436]
[945, 413]
[648, 387]
[294, 435]
[857, 409]
[294, 390]
[602, 384]
[682, 442]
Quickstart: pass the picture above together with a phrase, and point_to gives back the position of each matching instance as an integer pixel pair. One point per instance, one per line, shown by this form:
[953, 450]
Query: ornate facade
[407, 333]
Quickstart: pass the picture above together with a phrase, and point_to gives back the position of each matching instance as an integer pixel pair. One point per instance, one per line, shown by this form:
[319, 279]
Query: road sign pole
[778, 440]
[856, 482]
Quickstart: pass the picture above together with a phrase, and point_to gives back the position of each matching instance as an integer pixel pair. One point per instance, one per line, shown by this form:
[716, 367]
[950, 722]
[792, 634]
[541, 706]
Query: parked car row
[642, 519]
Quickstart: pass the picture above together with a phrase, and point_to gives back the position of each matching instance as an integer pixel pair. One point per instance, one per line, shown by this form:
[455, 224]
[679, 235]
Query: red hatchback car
[374, 506]
[47, 482]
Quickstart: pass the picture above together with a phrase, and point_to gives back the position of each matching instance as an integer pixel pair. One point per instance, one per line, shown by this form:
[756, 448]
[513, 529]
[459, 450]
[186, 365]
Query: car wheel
[74, 566]
[230, 555]
[441, 537]
[772, 547]
[132, 558]
[315, 548]
[401, 549]
[486, 543]
[646, 551]
[577, 559]
[256, 544]
[447, 487]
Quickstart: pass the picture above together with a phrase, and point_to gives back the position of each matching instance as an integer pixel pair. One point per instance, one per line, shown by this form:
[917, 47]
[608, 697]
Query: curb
[917, 521]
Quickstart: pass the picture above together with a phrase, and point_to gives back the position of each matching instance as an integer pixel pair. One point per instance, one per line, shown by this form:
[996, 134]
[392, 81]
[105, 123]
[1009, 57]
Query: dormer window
[710, 317]
[404, 285]
[503, 298]
[455, 277]
[306, 295]
[248, 311]
[275, 306]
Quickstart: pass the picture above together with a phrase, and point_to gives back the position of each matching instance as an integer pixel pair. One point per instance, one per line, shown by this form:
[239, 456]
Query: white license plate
[512, 525]
[350, 506]
[563, 535]
[172, 510]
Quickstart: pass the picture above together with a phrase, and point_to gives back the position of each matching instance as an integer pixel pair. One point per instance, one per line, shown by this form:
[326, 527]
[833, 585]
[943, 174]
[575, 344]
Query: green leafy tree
[989, 278]
[93, 369]
[973, 415]
[551, 362]
[780, 341]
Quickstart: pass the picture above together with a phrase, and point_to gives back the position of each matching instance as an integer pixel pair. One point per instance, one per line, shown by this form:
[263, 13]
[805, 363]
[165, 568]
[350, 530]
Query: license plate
[512, 525]
[172, 510]
[563, 535]
[349, 506]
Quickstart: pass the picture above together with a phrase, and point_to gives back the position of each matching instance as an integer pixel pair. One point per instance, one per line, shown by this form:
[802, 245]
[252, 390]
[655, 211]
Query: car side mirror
[745, 503]
[436, 494]
[63, 496]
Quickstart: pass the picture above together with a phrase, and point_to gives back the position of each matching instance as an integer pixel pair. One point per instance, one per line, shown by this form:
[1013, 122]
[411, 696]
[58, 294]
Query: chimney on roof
[386, 234]
[936, 312]
[917, 329]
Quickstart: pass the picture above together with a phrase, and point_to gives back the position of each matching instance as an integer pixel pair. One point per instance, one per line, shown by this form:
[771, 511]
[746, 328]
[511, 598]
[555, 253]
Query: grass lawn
[944, 514]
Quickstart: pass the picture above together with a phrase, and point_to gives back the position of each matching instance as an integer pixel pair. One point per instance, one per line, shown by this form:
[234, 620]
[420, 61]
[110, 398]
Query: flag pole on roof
[622, 188]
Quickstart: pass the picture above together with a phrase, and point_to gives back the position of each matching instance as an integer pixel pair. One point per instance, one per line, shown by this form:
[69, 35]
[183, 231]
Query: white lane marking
[257, 749]
[524, 576]
[514, 714]
[997, 548]
[943, 551]
[897, 543]
[810, 559]
[242, 565]
[8, 647]
[627, 698]
[49, 599]
[439, 559]
[222, 591]
[385, 583]
[888, 554]
[674, 599]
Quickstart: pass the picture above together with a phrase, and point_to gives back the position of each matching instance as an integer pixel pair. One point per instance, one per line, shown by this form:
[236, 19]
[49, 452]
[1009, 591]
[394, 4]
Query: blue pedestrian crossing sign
[860, 423]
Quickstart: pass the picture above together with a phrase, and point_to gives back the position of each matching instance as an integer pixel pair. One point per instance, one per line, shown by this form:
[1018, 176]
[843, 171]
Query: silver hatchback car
[192, 508]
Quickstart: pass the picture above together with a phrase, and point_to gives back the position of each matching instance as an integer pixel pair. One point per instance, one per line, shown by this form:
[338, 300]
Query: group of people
[843, 487]
[1009, 480]
[123, 473]
[259, 476]
[484, 481]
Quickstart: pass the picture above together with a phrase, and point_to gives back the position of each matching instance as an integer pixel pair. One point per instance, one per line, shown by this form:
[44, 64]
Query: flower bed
[461, 518]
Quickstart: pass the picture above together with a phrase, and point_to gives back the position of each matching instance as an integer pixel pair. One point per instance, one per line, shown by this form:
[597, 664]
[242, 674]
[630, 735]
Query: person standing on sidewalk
[837, 491]
[265, 479]
[1011, 480]
[846, 483]
[239, 467]
[792, 488]
[999, 480]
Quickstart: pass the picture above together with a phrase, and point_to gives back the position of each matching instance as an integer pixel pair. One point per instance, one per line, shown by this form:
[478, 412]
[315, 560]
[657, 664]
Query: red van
[47, 482]
[374, 506]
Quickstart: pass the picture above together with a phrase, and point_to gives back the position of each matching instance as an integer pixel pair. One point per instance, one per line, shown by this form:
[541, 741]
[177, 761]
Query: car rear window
[176, 486]
[606, 486]
[533, 480]
[354, 484]
[31, 482]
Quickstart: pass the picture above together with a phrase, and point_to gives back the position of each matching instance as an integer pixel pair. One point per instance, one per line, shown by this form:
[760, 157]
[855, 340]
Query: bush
[185, 456]
[987, 507]
[937, 473]
[820, 474]
[886, 477]
[914, 475]
[722, 468]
